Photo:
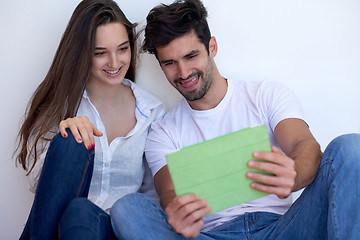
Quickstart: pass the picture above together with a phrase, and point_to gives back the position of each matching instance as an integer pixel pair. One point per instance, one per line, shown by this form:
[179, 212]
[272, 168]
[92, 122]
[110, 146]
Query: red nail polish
[65, 135]
[93, 145]
[89, 147]
[79, 140]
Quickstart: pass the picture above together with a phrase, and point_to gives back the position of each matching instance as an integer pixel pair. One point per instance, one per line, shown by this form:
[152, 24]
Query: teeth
[194, 79]
[112, 72]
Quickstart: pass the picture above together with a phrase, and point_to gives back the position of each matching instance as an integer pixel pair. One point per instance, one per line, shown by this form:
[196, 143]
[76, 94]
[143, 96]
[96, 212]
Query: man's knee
[345, 148]
[127, 204]
[130, 208]
[349, 143]
[131, 213]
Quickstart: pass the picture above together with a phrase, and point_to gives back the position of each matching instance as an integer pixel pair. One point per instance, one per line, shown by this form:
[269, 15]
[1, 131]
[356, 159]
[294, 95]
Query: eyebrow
[122, 44]
[193, 52]
[165, 61]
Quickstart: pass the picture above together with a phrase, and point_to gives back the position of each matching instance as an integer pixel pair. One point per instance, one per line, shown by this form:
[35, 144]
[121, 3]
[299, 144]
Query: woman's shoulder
[146, 101]
[141, 94]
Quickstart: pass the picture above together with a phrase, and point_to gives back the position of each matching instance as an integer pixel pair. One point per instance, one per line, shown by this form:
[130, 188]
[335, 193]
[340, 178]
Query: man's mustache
[190, 76]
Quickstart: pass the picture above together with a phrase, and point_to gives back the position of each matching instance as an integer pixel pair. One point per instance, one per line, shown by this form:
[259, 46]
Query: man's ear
[213, 47]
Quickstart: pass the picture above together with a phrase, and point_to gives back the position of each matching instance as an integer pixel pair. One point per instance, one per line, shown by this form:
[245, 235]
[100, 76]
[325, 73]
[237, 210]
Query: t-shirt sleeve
[158, 145]
[277, 102]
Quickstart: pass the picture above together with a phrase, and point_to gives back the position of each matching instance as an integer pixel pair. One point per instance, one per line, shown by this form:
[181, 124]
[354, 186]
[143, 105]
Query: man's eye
[168, 63]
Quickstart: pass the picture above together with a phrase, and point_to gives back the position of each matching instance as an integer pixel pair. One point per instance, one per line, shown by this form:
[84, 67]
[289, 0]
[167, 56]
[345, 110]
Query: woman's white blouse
[120, 167]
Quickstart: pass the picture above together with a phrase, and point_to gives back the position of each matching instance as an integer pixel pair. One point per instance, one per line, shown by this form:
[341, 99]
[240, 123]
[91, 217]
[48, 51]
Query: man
[178, 35]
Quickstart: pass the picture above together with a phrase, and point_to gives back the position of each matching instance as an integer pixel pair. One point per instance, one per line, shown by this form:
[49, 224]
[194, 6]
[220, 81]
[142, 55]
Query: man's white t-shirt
[245, 104]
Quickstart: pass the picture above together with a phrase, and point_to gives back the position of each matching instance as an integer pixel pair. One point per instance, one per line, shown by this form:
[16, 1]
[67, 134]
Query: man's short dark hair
[168, 22]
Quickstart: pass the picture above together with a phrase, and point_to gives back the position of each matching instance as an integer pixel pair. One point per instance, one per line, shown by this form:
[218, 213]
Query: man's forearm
[164, 186]
[307, 155]
[298, 143]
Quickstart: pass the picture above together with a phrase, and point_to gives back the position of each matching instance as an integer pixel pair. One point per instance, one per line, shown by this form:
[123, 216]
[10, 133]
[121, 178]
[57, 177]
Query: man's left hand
[282, 168]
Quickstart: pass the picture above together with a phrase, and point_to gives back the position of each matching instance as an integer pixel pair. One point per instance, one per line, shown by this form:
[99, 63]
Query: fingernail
[256, 154]
[93, 145]
[79, 140]
[89, 147]
[65, 135]
[251, 163]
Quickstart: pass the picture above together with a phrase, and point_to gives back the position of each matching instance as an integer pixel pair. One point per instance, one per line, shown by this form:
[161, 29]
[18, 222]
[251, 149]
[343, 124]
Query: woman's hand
[82, 130]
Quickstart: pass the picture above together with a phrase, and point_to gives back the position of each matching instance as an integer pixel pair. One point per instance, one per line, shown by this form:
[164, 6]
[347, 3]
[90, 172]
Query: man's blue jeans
[327, 208]
[61, 208]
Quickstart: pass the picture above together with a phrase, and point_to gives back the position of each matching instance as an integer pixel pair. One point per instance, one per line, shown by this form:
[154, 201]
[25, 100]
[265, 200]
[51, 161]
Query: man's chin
[193, 97]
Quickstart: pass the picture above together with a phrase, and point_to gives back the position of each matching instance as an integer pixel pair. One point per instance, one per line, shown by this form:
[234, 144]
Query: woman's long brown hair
[58, 96]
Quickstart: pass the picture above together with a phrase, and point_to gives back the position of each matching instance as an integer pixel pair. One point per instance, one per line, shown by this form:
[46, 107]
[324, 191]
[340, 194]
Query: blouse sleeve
[34, 175]
[148, 187]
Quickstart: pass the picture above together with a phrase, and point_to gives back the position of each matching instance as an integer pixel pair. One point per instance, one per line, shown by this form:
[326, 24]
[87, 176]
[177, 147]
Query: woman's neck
[106, 92]
[116, 106]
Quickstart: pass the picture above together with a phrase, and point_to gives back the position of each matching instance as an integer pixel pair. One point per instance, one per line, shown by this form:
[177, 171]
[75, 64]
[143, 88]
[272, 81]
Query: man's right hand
[185, 214]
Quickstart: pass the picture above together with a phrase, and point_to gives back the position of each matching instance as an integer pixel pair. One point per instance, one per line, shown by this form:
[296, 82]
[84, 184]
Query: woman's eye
[123, 49]
[99, 53]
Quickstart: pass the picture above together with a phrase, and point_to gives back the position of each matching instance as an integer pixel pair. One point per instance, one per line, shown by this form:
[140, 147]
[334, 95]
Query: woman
[89, 77]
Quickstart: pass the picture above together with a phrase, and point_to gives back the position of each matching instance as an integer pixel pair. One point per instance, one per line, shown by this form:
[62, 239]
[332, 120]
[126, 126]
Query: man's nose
[183, 70]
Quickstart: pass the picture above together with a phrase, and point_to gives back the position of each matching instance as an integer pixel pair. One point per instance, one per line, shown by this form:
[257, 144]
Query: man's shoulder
[176, 113]
[253, 84]
[254, 88]
[173, 118]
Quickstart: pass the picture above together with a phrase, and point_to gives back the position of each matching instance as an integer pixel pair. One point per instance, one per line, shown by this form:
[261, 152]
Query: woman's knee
[79, 207]
[84, 218]
[83, 210]
[67, 152]
[67, 143]
[80, 203]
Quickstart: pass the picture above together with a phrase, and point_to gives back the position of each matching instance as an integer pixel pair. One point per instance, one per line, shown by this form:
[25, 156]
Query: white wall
[312, 46]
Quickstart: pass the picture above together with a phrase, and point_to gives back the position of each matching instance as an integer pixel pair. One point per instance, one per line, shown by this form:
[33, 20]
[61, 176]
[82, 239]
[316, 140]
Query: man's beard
[206, 84]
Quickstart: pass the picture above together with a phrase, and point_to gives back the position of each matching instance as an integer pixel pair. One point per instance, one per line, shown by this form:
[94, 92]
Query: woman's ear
[213, 47]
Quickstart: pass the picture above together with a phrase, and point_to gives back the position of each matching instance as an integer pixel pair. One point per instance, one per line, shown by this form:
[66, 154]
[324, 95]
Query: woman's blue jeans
[61, 209]
[327, 209]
